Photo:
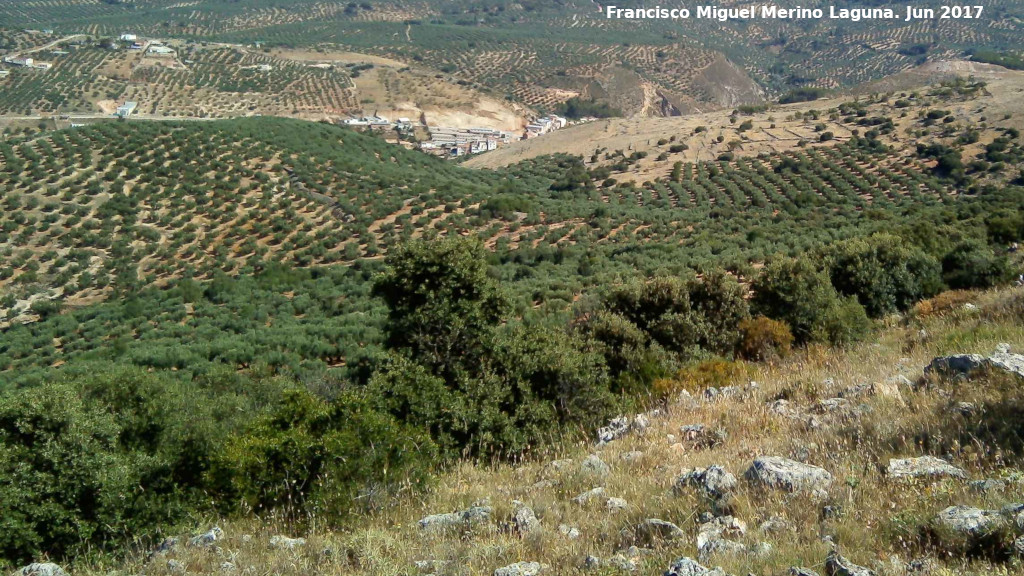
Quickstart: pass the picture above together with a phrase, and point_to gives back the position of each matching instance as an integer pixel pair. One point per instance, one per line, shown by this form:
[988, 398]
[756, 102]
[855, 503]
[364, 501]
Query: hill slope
[543, 53]
[848, 412]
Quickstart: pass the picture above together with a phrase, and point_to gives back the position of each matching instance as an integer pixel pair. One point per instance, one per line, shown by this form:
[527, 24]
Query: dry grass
[883, 523]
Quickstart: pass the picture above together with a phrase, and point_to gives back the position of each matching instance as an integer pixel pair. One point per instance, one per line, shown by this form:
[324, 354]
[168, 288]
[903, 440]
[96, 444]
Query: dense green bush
[482, 413]
[65, 483]
[721, 303]
[634, 361]
[799, 293]
[646, 328]
[310, 458]
[884, 272]
[560, 370]
[974, 264]
[110, 454]
[443, 306]
[454, 371]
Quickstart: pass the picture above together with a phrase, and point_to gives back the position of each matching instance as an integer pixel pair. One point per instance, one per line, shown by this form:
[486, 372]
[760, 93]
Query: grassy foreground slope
[877, 521]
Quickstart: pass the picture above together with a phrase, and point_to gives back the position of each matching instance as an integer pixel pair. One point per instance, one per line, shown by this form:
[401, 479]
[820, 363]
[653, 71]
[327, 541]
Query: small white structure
[128, 38]
[18, 61]
[126, 109]
[264, 67]
[160, 50]
[27, 63]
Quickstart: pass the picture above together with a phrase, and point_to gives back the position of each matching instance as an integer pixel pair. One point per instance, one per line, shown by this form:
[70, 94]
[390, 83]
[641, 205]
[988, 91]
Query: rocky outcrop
[570, 532]
[968, 524]
[525, 519]
[653, 531]
[41, 569]
[987, 485]
[923, 467]
[699, 436]
[624, 425]
[430, 565]
[286, 543]
[690, 567]
[595, 467]
[789, 475]
[469, 517]
[836, 565]
[714, 481]
[613, 504]
[962, 365]
[717, 535]
[589, 496]
[520, 569]
[206, 539]
[631, 456]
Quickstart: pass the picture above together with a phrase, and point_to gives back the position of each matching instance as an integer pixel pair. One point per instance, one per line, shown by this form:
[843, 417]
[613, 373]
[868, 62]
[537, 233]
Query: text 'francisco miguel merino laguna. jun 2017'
[905, 13]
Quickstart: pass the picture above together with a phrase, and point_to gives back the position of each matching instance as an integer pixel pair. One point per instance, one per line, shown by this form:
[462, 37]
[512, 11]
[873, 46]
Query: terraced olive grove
[543, 53]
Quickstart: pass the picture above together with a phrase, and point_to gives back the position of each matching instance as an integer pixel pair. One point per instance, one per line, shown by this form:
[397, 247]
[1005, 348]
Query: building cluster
[375, 121]
[151, 47]
[27, 62]
[454, 142]
[544, 125]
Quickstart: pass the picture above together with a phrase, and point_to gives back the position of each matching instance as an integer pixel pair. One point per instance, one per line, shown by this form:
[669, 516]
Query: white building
[128, 38]
[126, 109]
[27, 63]
[18, 61]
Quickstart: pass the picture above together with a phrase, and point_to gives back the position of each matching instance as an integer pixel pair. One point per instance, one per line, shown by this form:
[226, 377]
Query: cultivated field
[782, 128]
[539, 54]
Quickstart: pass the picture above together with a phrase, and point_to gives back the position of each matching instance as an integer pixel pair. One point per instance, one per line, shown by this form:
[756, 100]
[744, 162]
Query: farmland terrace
[542, 53]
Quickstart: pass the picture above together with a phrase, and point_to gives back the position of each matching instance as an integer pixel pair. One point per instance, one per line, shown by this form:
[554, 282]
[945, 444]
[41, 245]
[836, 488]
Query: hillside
[220, 336]
[537, 54]
[128, 209]
[785, 127]
[849, 412]
[90, 77]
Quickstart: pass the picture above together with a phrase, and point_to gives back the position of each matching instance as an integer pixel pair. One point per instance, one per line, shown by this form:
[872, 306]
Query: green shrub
[973, 264]
[633, 360]
[443, 306]
[845, 321]
[71, 481]
[1006, 228]
[800, 294]
[482, 414]
[560, 370]
[884, 272]
[311, 458]
[660, 309]
[721, 304]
